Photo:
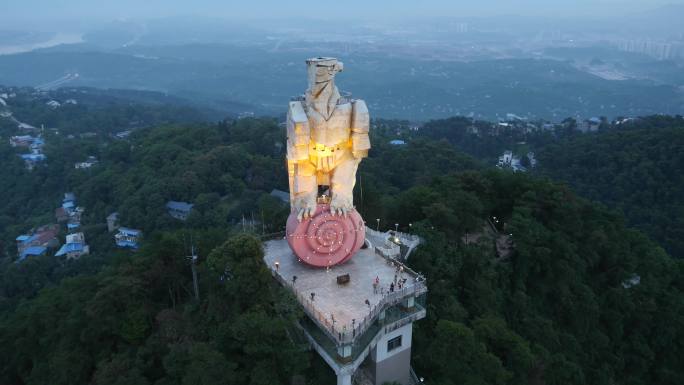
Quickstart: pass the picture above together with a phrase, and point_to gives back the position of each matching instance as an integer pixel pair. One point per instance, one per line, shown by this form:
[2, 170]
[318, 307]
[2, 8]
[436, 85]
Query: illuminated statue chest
[334, 130]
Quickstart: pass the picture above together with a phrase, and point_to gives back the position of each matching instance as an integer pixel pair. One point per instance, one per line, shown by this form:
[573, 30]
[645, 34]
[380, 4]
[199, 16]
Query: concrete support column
[344, 379]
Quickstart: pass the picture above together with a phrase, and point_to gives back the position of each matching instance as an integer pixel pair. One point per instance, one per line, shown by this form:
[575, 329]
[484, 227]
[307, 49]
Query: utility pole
[193, 262]
[263, 225]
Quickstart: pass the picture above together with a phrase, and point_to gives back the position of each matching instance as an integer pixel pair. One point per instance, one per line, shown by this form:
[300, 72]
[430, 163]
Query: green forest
[557, 310]
[637, 170]
[633, 167]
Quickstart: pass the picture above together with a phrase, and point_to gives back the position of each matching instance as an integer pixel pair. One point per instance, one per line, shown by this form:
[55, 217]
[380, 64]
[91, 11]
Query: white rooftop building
[509, 160]
[90, 162]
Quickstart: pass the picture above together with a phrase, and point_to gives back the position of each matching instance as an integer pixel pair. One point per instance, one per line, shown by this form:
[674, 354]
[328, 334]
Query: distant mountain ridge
[236, 78]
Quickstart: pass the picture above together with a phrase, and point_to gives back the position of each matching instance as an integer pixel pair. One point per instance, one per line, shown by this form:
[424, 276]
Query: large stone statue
[327, 136]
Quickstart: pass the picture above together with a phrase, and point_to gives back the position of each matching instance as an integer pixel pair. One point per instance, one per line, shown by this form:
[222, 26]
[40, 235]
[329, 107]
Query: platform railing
[411, 238]
[347, 333]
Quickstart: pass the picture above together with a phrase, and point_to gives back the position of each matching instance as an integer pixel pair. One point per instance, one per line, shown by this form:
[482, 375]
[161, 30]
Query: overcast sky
[31, 11]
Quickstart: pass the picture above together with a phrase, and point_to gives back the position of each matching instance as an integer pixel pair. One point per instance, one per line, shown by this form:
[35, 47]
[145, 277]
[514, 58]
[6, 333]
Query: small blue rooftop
[397, 142]
[132, 245]
[33, 157]
[69, 248]
[33, 251]
[71, 226]
[130, 232]
[180, 206]
[68, 205]
[23, 238]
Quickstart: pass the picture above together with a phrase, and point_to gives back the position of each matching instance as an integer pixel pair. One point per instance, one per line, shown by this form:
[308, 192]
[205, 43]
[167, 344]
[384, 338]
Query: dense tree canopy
[637, 170]
[556, 308]
[634, 166]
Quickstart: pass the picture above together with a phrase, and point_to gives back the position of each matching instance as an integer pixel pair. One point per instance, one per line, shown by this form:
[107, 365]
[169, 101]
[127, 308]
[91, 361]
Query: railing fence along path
[347, 333]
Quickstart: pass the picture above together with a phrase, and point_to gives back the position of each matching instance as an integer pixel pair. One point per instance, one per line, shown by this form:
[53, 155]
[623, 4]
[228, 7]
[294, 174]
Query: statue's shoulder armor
[359, 103]
[297, 113]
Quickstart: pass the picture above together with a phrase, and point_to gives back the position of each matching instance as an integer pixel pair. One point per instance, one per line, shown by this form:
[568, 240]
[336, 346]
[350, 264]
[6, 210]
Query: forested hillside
[639, 171]
[561, 308]
[635, 167]
[97, 112]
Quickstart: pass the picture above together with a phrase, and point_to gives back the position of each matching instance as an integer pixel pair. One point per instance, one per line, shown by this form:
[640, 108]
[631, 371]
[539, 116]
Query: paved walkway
[347, 301]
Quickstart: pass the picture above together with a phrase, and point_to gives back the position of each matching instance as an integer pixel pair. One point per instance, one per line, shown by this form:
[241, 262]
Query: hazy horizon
[20, 14]
[571, 58]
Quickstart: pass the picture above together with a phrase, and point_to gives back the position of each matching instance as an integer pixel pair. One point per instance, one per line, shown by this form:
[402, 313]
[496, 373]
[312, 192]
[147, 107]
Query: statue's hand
[305, 205]
[341, 204]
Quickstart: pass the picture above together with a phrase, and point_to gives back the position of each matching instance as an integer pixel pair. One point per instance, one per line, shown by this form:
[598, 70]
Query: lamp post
[410, 225]
[378, 220]
[396, 228]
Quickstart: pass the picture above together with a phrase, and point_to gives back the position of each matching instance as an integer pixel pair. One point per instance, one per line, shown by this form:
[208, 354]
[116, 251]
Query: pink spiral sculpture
[325, 239]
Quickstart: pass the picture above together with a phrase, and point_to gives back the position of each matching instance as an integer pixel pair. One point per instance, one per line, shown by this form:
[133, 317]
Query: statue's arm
[298, 133]
[360, 124]
[302, 173]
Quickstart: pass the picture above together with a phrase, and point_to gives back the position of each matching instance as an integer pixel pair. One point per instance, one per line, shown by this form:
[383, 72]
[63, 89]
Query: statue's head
[321, 72]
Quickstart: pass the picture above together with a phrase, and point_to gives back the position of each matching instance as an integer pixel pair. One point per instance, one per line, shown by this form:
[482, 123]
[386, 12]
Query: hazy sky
[28, 11]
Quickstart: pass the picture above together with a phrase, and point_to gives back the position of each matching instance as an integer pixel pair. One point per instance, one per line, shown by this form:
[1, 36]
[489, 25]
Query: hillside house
[44, 236]
[589, 125]
[74, 247]
[90, 162]
[21, 140]
[179, 210]
[129, 238]
[32, 159]
[37, 145]
[509, 160]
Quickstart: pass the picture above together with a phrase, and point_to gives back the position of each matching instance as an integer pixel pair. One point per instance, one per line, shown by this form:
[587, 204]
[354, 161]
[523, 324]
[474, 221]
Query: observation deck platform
[344, 322]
